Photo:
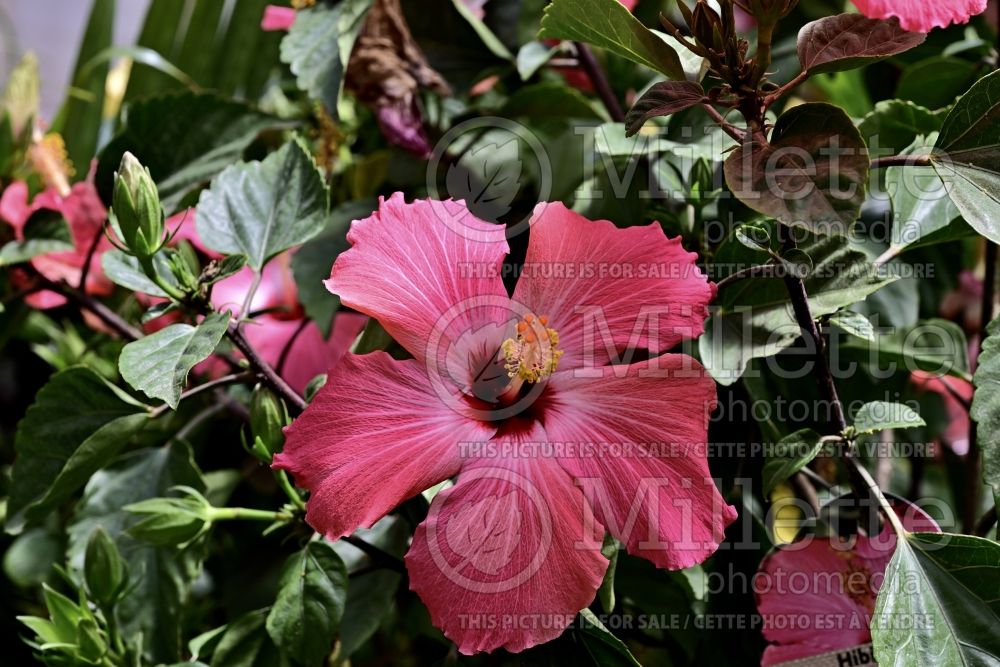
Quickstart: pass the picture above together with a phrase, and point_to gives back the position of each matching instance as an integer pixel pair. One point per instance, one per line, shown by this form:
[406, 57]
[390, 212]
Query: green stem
[149, 268]
[765, 33]
[247, 514]
[289, 489]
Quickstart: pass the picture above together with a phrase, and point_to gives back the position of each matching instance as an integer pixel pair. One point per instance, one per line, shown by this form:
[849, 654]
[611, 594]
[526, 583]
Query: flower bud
[172, 521]
[268, 417]
[104, 571]
[135, 209]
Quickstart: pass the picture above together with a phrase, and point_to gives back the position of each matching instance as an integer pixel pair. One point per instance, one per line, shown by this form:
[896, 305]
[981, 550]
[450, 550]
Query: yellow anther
[48, 157]
[533, 355]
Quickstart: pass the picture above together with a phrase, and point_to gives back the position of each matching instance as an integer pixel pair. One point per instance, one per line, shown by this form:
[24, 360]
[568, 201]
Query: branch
[901, 161]
[268, 374]
[234, 378]
[377, 555]
[726, 126]
[110, 318]
[600, 81]
[785, 89]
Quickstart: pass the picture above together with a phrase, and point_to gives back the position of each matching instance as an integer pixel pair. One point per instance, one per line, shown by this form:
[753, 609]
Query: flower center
[535, 353]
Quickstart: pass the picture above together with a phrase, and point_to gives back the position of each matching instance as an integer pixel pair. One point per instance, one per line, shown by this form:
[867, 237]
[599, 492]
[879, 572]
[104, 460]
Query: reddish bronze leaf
[847, 41]
[663, 99]
[812, 173]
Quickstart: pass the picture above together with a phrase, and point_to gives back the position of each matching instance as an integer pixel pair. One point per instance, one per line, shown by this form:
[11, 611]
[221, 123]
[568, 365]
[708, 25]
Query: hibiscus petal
[601, 285]
[374, 436]
[922, 15]
[277, 17]
[426, 282]
[502, 559]
[635, 440]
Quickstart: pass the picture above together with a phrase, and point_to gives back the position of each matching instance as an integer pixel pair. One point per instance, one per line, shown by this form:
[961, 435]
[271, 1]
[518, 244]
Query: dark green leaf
[158, 364]
[603, 647]
[847, 41]
[259, 209]
[162, 25]
[812, 174]
[967, 156]
[940, 603]
[45, 231]
[123, 269]
[895, 124]
[318, 45]
[854, 323]
[935, 346]
[878, 416]
[247, 644]
[986, 406]
[936, 82]
[306, 614]
[159, 578]
[790, 455]
[184, 140]
[607, 24]
[77, 423]
[921, 207]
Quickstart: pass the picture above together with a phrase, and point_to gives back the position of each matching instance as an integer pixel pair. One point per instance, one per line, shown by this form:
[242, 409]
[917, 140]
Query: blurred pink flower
[493, 374]
[84, 213]
[956, 394]
[277, 17]
[922, 15]
[817, 596]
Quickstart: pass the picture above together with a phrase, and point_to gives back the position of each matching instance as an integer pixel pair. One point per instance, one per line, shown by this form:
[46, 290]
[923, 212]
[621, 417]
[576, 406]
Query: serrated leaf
[609, 25]
[259, 209]
[663, 99]
[184, 140]
[967, 156]
[158, 364]
[159, 579]
[812, 173]
[789, 455]
[878, 416]
[318, 46]
[951, 585]
[306, 614]
[77, 424]
[847, 41]
[986, 406]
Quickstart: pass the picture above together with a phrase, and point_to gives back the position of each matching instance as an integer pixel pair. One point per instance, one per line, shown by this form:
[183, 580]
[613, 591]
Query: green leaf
[967, 156]
[45, 231]
[895, 124]
[318, 46]
[609, 25]
[951, 585]
[935, 346]
[848, 41]
[854, 323]
[160, 29]
[259, 209]
[878, 416]
[754, 317]
[158, 364]
[532, 57]
[986, 406]
[921, 208]
[247, 644]
[77, 423]
[312, 262]
[606, 593]
[123, 269]
[184, 139]
[29, 559]
[790, 455]
[306, 614]
[936, 82]
[603, 647]
[796, 178]
[160, 579]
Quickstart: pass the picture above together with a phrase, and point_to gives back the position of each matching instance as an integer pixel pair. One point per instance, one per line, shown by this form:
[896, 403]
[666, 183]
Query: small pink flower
[277, 18]
[85, 214]
[817, 596]
[922, 15]
[514, 395]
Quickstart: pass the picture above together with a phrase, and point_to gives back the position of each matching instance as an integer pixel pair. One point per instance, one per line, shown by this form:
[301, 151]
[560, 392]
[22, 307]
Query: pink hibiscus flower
[277, 17]
[551, 445]
[956, 394]
[817, 596]
[922, 15]
[84, 213]
[281, 332]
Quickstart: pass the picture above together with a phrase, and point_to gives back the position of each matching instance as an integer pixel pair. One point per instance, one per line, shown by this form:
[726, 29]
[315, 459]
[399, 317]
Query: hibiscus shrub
[489, 332]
